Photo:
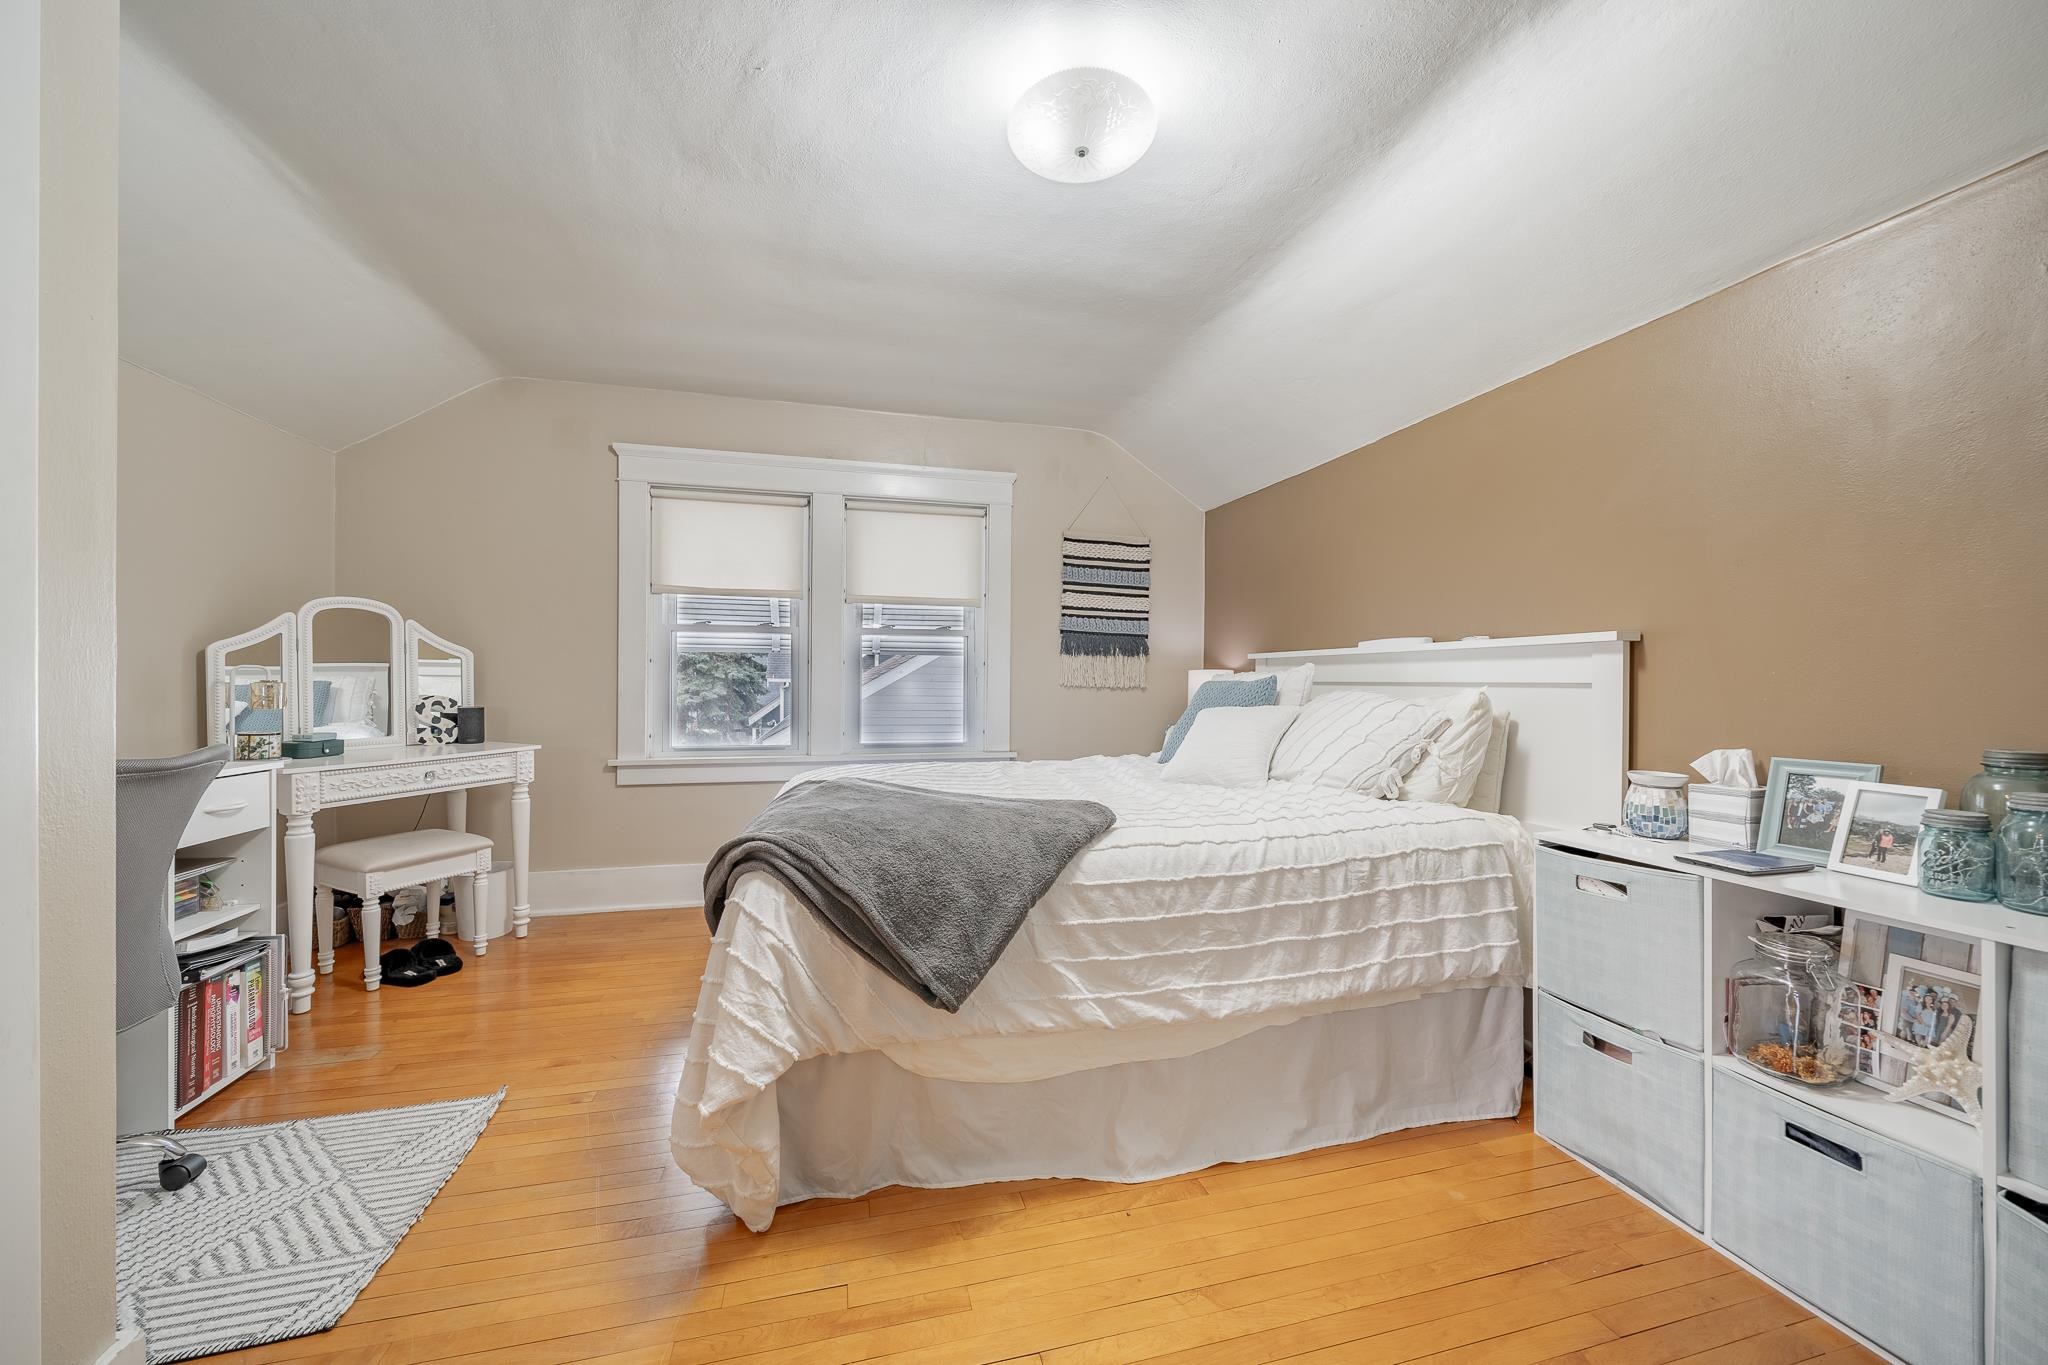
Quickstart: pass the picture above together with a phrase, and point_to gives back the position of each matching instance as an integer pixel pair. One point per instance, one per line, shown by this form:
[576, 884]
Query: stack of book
[230, 1013]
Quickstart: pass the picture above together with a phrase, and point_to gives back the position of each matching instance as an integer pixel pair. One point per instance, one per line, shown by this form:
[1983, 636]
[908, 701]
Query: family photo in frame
[1877, 833]
[1803, 803]
[1919, 986]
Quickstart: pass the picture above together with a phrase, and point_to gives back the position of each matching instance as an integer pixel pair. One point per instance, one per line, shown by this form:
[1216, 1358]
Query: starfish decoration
[1945, 1069]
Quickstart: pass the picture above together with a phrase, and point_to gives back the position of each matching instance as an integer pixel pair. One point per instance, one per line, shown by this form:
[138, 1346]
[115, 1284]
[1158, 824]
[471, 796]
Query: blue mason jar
[2007, 772]
[1957, 859]
[2023, 853]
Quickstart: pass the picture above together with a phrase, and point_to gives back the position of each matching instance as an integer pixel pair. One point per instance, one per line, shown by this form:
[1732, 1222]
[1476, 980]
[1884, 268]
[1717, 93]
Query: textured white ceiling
[338, 212]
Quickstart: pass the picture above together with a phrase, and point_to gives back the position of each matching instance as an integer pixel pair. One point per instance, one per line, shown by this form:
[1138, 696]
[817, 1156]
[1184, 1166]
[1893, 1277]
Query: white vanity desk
[354, 669]
[367, 773]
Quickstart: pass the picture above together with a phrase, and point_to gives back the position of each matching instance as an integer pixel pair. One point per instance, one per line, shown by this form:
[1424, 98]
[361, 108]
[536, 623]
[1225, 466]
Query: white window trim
[828, 483]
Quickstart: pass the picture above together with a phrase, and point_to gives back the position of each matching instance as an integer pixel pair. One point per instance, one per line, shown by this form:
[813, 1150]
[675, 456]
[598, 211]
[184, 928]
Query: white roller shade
[923, 555]
[730, 545]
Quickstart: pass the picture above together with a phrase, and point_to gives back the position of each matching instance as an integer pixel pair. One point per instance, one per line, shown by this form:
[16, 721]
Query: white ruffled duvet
[1205, 913]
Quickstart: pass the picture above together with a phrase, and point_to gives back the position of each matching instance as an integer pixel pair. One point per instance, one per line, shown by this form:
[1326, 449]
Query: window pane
[732, 690]
[700, 609]
[876, 615]
[913, 675]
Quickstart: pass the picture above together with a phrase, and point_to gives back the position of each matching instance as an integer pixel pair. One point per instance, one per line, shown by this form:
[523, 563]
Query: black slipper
[438, 956]
[401, 968]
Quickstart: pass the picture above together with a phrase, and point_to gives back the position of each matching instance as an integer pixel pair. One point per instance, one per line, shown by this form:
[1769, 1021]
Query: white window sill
[667, 771]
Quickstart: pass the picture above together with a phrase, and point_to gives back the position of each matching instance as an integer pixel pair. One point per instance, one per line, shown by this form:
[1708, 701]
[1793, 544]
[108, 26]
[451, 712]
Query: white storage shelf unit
[1713, 915]
[231, 839]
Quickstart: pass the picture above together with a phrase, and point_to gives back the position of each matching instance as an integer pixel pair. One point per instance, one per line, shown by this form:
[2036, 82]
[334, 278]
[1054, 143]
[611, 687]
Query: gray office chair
[153, 801]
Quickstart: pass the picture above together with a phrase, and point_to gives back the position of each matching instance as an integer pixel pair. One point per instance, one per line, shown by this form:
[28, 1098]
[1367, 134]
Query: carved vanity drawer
[440, 773]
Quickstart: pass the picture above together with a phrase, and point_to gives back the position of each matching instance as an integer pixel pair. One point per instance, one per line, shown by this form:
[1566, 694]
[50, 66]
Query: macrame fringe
[1108, 671]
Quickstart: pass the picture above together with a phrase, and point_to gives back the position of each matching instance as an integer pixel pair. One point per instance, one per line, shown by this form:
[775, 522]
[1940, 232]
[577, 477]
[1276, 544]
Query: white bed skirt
[858, 1122]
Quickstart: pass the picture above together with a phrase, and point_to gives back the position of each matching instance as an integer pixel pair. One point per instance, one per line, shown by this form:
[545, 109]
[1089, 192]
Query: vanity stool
[370, 867]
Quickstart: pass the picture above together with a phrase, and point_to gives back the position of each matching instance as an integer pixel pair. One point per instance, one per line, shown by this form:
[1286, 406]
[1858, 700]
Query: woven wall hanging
[1105, 598]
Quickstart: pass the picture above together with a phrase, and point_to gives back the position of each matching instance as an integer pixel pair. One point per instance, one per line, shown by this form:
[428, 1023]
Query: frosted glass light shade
[1082, 124]
[920, 556]
[703, 543]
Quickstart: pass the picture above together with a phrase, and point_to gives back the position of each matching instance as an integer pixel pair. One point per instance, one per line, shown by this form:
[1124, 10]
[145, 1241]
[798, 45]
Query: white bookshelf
[232, 839]
[1733, 903]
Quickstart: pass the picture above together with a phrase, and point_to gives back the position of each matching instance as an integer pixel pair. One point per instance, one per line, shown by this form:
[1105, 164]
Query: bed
[1227, 974]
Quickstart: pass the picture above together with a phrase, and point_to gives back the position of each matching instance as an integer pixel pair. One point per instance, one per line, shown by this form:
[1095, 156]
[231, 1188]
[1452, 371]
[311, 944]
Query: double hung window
[776, 613]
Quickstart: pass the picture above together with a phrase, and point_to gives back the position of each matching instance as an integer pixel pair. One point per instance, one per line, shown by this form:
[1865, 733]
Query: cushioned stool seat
[370, 867]
[391, 852]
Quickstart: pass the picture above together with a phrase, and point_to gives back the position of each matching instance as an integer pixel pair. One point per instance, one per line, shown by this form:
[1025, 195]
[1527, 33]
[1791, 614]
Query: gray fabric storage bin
[1634, 955]
[1894, 1249]
[2026, 1072]
[1632, 1106]
[2022, 1282]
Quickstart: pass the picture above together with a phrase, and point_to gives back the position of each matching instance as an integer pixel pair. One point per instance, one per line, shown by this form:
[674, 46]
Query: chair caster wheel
[175, 1173]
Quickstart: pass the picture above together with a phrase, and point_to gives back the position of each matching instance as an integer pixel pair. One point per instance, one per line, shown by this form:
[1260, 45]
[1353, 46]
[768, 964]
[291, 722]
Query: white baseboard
[591, 890]
[129, 1348]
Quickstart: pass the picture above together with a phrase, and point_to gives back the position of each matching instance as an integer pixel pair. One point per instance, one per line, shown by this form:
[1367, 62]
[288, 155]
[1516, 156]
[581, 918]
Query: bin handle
[1833, 1151]
[1608, 1050]
[1597, 886]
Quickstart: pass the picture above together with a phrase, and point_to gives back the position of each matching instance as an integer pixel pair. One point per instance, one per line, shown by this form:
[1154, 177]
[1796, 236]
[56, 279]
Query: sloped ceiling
[336, 213]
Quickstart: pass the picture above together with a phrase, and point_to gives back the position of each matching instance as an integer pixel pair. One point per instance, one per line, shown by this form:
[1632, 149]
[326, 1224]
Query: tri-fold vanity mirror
[348, 668]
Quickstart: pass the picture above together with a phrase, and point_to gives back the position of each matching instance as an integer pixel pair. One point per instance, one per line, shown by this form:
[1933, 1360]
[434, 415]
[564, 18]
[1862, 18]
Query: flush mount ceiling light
[1082, 124]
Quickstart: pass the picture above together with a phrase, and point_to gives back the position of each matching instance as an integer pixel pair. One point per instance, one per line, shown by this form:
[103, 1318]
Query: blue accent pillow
[1220, 692]
[323, 701]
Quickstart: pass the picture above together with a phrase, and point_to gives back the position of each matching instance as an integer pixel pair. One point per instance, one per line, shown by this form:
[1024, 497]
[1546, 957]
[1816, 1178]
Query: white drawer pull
[229, 809]
[1594, 886]
[428, 774]
[1608, 1050]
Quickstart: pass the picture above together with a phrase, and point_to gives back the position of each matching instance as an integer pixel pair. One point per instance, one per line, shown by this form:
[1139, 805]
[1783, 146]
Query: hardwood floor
[569, 1235]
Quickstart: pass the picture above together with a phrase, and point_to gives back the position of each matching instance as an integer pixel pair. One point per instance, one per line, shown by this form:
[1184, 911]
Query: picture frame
[1878, 832]
[1869, 948]
[1806, 792]
[1923, 1001]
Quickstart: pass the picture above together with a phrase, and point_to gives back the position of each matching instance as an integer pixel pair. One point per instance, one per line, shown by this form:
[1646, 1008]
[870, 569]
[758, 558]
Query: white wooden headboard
[1566, 696]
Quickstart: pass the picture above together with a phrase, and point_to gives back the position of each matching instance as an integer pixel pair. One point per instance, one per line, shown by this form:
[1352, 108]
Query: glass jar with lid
[2023, 853]
[2006, 771]
[1785, 1011]
[1957, 860]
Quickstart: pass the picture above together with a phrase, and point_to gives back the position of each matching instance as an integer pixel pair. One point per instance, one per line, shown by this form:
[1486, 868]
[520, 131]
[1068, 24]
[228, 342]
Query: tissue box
[1728, 816]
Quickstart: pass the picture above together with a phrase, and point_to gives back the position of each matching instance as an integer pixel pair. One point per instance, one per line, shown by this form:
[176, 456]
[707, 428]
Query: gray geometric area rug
[284, 1228]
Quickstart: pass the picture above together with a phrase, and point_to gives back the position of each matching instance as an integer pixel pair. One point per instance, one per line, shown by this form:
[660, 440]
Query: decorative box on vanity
[1728, 816]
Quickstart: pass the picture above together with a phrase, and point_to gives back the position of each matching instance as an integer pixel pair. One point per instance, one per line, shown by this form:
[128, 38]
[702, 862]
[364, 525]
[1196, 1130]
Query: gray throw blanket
[929, 886]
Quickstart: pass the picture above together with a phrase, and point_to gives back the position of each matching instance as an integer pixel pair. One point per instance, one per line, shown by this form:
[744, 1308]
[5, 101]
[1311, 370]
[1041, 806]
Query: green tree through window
[717, 694]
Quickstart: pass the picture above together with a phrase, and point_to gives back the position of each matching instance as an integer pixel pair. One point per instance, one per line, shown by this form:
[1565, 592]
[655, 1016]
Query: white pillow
[1449, 767]
[347, 698]
[1230, 746]
[1486, 791]
[1294, 682]
[1357, 741]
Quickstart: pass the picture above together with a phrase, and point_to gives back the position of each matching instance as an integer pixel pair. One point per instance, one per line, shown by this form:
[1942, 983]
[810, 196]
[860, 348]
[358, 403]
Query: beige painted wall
[1821, 495]
[75, 666]
[225, 522]
[493, 519]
